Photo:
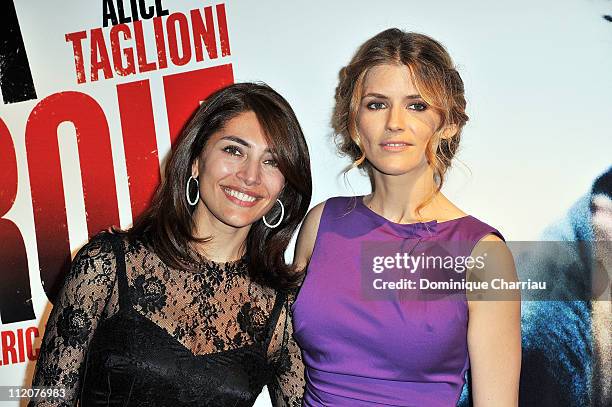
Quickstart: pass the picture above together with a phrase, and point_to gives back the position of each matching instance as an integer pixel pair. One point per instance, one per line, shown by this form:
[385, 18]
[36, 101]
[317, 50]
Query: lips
[395, 145]
[240, 197]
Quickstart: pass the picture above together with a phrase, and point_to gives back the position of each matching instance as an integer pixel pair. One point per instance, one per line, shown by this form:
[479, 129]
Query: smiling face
[394, 122]
[238, 174]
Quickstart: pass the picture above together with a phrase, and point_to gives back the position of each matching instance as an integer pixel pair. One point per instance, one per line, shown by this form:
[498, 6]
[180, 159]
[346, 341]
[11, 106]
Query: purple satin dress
[370, 353]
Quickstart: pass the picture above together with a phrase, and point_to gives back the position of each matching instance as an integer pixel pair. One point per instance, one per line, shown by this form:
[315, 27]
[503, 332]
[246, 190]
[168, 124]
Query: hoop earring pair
[187, 195]
[197, 198]
[280, 219]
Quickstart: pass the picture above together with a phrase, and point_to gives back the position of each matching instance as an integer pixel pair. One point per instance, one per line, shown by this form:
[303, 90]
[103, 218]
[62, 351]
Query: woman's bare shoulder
[307, 236]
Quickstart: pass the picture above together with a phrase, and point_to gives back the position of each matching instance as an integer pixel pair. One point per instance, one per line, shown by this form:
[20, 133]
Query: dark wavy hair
[166, 226]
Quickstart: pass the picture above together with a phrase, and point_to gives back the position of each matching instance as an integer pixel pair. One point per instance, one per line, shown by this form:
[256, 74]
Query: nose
[395, 119]
[250, 172]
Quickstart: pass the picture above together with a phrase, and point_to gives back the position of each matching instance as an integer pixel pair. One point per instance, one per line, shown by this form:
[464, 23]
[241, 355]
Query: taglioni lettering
[179, 39]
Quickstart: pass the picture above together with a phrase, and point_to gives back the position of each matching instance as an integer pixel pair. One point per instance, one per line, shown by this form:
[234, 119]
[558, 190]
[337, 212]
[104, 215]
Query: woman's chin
[396, 170]
[240, 222]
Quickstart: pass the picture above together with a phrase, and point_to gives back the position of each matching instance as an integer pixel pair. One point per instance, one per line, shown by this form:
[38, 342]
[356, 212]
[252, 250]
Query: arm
[73, 321]
[494, 331]
[306, 238]
[287, 387]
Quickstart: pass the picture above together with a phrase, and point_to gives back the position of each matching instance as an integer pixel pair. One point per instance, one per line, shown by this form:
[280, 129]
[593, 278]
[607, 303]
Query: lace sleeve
[73, 320]
[287, 387]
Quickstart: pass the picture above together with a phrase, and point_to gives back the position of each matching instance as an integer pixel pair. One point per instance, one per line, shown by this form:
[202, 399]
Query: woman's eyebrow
[374, 95]
[237, 140]
[381, 96]
[245, 143]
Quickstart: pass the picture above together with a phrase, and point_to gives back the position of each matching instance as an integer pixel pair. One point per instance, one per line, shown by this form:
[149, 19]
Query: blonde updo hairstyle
[436, 80]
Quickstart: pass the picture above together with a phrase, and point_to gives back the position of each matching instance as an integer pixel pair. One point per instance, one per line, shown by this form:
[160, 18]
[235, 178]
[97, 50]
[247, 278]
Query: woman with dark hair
[190, 306]
[399, 112]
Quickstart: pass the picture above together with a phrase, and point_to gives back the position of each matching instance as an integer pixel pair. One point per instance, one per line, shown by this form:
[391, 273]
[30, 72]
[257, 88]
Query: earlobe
[195, 168]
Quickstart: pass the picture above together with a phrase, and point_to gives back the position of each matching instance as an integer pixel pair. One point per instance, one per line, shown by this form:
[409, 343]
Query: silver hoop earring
[197, 198]
[280, 219]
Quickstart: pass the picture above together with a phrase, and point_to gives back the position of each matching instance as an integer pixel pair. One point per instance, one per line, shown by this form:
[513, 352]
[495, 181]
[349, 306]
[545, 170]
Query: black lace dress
[127, 330]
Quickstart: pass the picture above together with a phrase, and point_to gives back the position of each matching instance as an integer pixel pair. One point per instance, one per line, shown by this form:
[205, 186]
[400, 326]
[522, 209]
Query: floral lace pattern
[215, 309]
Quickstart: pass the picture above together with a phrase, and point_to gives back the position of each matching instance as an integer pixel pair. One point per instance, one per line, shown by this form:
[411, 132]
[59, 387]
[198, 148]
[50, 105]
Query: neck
[225, 243]
[396, 197]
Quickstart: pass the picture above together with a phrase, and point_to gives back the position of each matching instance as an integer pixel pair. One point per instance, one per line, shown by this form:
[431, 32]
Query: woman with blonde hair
[399, 112]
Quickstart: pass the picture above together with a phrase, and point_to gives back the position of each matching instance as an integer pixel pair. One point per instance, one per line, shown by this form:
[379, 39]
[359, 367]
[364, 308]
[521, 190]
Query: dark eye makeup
[232, 150]
[416, 106]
